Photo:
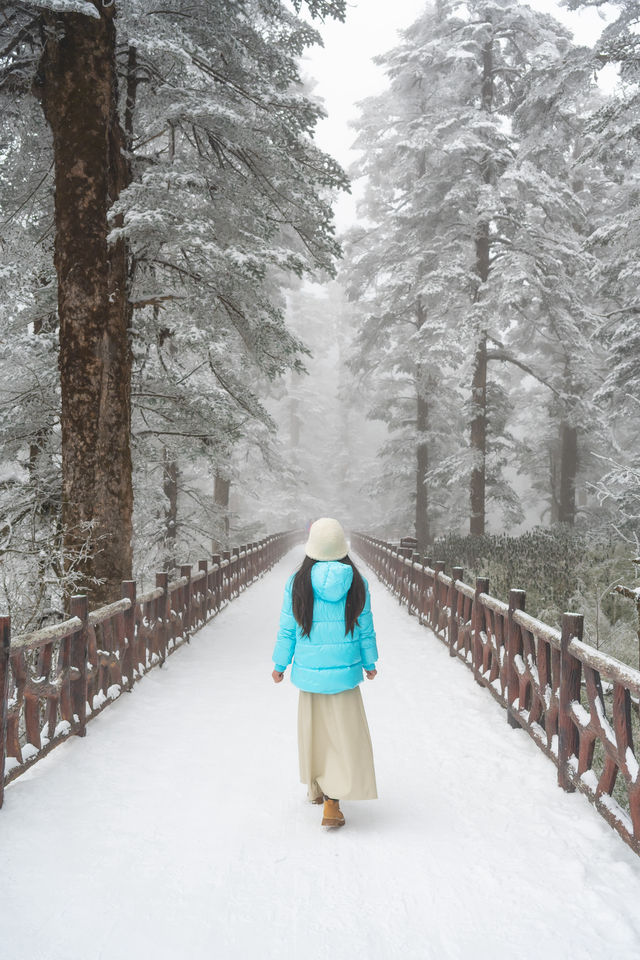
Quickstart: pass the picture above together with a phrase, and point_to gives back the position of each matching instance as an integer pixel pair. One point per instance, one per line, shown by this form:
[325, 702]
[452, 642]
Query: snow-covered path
[177, 829]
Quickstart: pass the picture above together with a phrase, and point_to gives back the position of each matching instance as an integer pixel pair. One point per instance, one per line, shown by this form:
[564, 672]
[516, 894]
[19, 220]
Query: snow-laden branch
[65, 6]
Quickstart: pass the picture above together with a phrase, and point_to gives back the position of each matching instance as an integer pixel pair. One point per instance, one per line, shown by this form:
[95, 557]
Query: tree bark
[422, 465]
[479, 441]
[422, 449]
[170, 487]
[568, 471]
[221, 499]
[78, 87]
[479, 382]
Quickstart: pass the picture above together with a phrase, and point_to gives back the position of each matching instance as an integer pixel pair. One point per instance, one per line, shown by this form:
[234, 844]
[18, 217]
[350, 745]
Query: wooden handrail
[40, 638]
[548, 680]
[70, 671]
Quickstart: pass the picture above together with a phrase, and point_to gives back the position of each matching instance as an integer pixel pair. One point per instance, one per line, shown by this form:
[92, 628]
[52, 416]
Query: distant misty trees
[159, 183]
[497, 304]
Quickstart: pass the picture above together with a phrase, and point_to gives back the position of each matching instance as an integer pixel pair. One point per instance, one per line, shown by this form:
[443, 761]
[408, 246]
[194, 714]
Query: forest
[191, 356]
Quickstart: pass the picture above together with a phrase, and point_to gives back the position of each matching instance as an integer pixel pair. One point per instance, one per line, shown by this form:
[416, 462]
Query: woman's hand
[371, 674]
[277, 676]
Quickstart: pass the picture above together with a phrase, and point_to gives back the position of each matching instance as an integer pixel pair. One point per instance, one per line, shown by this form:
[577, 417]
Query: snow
[614, 808]
[67, 6]
[590, 779]
[182, 807]
[581, 715]
[604, 723]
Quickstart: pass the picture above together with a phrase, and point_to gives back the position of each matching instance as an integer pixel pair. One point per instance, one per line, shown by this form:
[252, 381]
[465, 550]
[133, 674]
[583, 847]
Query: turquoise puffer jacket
[326, 661]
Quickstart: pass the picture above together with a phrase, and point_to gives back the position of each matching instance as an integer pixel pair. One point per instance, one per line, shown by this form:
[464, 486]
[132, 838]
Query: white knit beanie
[326, 540]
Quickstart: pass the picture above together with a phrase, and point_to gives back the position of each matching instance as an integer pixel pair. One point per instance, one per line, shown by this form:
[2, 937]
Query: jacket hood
[331, 579]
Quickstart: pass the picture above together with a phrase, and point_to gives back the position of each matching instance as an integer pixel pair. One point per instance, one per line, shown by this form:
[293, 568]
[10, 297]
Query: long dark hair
[302, 597]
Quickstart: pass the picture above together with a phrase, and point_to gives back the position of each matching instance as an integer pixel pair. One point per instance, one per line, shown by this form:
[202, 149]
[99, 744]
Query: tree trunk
[479, 441]
[479, 382]
[568, 471]
[422, 465]
[554, 457]
[170, 487]
[422, 450]
[78, 86]
[221, 499]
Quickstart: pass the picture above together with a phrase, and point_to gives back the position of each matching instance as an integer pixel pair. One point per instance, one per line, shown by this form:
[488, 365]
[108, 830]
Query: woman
[326, 628]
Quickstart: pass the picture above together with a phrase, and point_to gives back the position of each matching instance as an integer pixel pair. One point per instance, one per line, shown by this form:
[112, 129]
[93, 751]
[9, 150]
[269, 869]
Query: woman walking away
[326, 628]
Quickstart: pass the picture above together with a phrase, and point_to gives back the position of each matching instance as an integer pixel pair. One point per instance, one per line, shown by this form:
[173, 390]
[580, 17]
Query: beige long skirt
[334, 746]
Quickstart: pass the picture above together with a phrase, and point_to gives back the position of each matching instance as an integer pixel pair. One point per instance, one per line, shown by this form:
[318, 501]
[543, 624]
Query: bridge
[177, 827]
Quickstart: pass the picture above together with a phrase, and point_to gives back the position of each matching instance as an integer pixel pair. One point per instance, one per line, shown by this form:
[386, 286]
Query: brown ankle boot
[332, 814]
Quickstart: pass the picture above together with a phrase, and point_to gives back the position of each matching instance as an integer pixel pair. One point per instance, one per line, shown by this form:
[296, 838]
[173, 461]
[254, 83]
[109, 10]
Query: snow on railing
[550, 683]
[55, 679]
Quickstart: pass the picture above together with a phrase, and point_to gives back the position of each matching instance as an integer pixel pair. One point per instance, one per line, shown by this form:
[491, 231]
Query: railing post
[406, 578]
[570, 672]
[254, 557]
[438, 567]
[513, 648]
[129, 659]
[203, 565]
[236, 572]
[424, 591]
[185, 571]
[482, 586]
[164, 603]
[457, 573]
[414, 586]
[79, 607]
[226, 581]
[242, 567]
[216, 560]
[5, 644]
[248, 564]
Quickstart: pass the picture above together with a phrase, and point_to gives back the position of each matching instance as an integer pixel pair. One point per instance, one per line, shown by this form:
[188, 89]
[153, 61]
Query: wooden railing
[54, 680]
[551, 684]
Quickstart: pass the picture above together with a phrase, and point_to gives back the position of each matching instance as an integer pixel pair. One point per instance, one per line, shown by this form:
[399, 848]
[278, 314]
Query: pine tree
[225, 194]
[485, 221]
[615, 242]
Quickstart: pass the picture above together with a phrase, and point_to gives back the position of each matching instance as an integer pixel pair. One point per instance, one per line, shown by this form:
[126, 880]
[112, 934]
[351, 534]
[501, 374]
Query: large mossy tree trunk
[77, 84]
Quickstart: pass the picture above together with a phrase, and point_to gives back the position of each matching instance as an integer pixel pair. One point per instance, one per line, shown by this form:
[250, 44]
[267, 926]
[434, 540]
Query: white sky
[345, 74]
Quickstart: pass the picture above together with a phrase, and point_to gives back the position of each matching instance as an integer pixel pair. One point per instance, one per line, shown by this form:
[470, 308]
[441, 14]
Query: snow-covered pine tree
[226, 154]
[227, 187]
[550, 299]
[465, 85]
[615, 241]
[407, 288]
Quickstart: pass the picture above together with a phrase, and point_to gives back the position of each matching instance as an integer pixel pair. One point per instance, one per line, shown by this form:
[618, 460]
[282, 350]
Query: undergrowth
[560, 570]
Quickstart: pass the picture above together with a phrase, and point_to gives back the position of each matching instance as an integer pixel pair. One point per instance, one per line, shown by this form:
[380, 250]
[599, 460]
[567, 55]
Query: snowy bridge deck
[177, 828]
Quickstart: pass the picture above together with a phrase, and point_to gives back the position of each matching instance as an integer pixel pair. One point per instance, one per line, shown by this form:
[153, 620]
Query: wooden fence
[551, 684]
[54, 680]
